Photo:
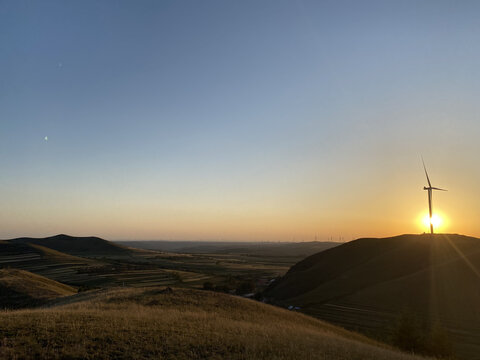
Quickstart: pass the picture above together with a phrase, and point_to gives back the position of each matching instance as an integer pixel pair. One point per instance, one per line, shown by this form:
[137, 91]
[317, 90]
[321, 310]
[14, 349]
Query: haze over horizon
[274, 120]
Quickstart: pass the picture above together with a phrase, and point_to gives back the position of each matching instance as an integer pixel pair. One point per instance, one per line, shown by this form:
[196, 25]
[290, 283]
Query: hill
[19, 288]
[365, 284]
[44, 261]
[147, 323]
[136, 268]
[80, 246]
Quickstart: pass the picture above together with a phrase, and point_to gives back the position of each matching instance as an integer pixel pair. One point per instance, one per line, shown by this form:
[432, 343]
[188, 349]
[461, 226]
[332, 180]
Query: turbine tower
[430, 189]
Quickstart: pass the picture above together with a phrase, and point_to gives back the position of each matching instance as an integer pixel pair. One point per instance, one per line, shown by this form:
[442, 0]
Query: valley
[362, 286]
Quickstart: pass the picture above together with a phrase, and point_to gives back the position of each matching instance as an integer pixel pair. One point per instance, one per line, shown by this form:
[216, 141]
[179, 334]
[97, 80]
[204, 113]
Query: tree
[407, 334]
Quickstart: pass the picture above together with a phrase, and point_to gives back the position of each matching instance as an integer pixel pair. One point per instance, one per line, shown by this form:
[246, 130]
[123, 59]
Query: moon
[46, 138]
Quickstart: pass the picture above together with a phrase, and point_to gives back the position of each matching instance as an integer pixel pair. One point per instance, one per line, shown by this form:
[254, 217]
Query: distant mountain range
[365, 285]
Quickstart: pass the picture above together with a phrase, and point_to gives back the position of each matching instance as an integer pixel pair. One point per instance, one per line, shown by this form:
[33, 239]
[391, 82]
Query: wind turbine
[430, 189]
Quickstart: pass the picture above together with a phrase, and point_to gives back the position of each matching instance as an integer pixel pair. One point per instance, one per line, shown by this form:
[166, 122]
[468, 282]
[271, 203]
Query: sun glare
[437, 222]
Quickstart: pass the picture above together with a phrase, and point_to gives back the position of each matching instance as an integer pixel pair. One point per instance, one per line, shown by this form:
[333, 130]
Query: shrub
[410, 336]
[258, 296]
[207, 285]
[407, 334]
[438, 343]
[222, 288]
[245, 287]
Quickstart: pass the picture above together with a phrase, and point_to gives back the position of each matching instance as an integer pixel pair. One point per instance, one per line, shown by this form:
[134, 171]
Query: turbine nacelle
[433, 188]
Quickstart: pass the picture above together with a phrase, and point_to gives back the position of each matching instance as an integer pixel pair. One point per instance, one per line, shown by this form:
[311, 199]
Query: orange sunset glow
[156, 154]
[244, 179]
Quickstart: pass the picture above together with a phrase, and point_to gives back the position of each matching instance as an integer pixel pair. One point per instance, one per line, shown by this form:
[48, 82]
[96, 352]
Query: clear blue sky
[246, 120]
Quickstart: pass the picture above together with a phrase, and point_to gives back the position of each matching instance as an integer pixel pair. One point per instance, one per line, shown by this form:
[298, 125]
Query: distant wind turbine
[430, 189]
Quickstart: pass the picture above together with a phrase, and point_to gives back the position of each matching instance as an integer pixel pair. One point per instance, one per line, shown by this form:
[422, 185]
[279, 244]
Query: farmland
[96, 263]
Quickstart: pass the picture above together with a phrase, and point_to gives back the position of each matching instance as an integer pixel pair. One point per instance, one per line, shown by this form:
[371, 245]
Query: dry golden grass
[27, 284]
[149, 323]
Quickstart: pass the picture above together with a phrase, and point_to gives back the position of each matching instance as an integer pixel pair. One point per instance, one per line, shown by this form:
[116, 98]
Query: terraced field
[127, 266]
[46, 262]
[221, 264]
[137, 268]
[153, 277]
[381, 325]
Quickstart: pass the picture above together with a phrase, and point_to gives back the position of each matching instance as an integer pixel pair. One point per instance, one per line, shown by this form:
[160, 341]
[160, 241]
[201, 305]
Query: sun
[437, 221]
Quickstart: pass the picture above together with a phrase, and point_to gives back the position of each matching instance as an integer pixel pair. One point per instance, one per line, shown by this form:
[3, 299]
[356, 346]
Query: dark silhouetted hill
[80, 246]
[365, 284]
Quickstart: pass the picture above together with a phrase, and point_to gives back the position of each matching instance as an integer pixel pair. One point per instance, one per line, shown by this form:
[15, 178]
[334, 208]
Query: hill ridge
[434, 276]
[90, 246]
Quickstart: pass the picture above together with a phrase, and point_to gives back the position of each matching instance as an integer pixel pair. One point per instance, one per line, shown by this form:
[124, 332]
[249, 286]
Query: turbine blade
[424, 168]
[434, 188]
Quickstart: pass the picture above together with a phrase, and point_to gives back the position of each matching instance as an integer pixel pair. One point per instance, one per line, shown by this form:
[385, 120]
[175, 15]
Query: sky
[238, 120]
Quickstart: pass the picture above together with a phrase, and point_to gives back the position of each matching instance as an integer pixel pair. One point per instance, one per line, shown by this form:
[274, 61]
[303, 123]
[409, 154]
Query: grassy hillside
[19, 288]
[366, 283]
[178, 324]
[80, 246]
